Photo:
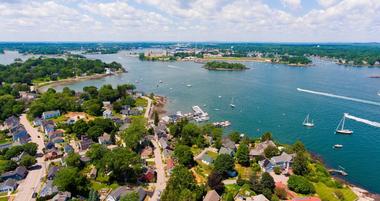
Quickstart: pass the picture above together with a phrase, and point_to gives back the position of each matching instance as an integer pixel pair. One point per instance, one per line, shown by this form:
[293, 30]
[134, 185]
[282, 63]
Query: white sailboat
[232, 103]
[340, 128]
[308, 123]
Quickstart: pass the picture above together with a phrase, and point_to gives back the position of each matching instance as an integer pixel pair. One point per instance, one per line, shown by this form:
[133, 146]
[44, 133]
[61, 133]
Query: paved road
[160, 168]
[33, 181]
[149, 107]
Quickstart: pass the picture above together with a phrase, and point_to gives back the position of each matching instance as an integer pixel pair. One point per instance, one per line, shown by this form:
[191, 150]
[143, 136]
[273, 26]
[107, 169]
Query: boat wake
[175, 67]
[365, 121]
[340, 97]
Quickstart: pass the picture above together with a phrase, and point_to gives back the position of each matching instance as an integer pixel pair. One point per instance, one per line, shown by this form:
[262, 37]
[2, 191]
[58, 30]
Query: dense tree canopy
[52, 69]
[224, 163]
[184, 155]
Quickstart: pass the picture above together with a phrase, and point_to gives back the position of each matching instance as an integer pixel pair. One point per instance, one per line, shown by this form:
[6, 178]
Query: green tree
[300, 164]
[242, 155]
[184, 155]
[134, 133]
[267, 181]
[30, 148]
[93, 195]
[298, 146]
[266, 136]
[92, 107]
[180, 183]
[94, 132]
[215, 182]
[224, 163]
[300, 184]
[80, 127]
[73, 160]
[107, 93]
[156, 117]
[96, 152]
[235, 136]
[271, 151]
[132, 196]
[28, 160]
[69, 179]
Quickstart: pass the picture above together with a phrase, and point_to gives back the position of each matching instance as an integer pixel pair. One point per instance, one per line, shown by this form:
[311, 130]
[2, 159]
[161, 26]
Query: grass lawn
[196, 150]
[141, 102]
[327, 193]
[4, 199]
[204, 169]
[231, 188]
[244, 172]
[97, 185]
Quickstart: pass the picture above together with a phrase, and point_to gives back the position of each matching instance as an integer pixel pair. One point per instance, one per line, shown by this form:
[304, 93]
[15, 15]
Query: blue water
[266, 99]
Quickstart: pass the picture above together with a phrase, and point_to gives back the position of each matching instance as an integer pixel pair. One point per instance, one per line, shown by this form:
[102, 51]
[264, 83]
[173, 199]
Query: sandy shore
[160, 104]
[41, 87]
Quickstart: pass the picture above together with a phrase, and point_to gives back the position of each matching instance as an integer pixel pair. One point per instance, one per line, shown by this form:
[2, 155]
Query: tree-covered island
[216, 65]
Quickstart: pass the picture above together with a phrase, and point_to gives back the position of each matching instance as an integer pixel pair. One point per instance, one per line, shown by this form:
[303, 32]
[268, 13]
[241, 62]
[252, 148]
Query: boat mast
[344, 118]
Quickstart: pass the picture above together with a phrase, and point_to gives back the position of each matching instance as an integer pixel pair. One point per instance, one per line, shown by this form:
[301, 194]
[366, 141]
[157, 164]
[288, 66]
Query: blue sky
[191, 20]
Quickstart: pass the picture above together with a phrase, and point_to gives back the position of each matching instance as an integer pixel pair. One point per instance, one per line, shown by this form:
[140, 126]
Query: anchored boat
[307, 122]
[232, 103]
[340, 129]
[337, 146]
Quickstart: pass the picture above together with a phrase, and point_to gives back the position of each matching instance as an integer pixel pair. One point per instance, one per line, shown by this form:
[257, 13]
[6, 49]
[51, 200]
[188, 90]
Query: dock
[339, 172]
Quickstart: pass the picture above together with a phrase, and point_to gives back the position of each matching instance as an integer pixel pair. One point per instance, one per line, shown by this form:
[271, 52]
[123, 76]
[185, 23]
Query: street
[160, 168]
[33, 181]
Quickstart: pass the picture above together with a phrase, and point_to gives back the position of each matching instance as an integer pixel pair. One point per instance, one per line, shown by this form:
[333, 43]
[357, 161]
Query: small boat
[189, 85]
[232, 103]
[221, 96]
[308, 123]
[160, 81]
[340, 128]
[337, 146]
[378, 93]
[216, 109]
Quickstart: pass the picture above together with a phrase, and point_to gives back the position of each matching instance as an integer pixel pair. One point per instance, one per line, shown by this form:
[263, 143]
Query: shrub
[277, 170]
[300, 184]
[281, 193]
[339, 194]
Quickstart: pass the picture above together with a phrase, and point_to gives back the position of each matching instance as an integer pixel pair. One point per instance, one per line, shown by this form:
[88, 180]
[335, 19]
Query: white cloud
[238, 20]
[327, 3]
[294, 4]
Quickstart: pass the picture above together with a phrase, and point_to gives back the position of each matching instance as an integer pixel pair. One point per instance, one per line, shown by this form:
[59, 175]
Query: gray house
[8, 185]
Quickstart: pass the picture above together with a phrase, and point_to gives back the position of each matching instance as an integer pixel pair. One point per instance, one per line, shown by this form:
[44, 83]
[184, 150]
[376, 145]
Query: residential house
[19, 132]
[37, 121]
[169, 165]
[47, 126]
[85, 159]
[21, 141]
[51, 114]
[147, 152]
[212, 196]
[258, 151]
[167, 153]
[93, 172]
[228, 143]
[163, 143]
[283, 161]
[206, 159]
[68, 149]
[18, 174]
[160, 130]
[11, 122]
[259, 197]
[116, 194]
[228, 151]
[107, 114]
[105, 139]
[62, 196]
[84, 143]
[8, 185]
[48, 190]
[107, 105]
[27, 96]
[52, 172]
[55, 134]
[149, 176]
[53, 154]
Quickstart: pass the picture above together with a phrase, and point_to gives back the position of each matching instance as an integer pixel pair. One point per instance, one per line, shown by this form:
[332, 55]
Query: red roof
[169, 163]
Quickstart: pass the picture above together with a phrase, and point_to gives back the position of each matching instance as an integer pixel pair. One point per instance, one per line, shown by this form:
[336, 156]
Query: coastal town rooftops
[259, 148]
[283, 158]
[11, 122]
[212, 196]
[224, 150]
[228, 143]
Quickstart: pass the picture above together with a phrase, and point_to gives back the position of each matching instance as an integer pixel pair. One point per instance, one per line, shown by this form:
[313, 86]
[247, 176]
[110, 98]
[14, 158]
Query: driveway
[32, 182]
[160, 168]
